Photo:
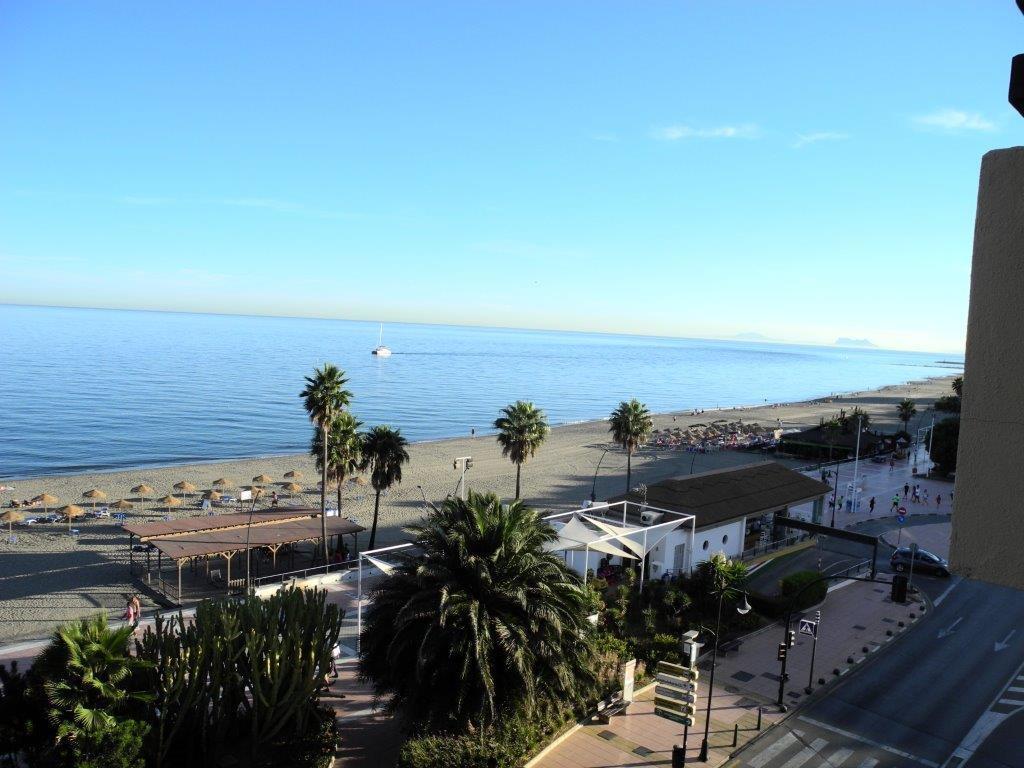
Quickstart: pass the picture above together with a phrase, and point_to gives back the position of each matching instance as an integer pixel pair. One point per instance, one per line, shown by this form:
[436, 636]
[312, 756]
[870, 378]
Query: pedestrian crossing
[813, 747]
[1012, 698]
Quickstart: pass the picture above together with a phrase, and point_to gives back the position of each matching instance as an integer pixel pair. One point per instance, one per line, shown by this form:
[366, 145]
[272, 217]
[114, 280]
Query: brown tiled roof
[227, 540]
[728, 494]
[150, 530]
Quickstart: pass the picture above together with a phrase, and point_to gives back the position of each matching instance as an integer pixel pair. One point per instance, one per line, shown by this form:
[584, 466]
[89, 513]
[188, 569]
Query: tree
[630, 425]
[717, 577]
[384, 454]
[944, 443]
[324, 397]
[958, 386]
[906, 411]
[850, 420]
[831, 430]
[484, 623]
[522, 428]
[344, 450]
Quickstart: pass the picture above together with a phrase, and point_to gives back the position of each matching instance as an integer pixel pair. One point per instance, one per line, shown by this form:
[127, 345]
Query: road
[916, 701]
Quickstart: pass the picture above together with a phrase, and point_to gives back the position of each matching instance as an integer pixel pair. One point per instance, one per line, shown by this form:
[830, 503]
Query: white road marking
[785, 741]
[938, 601]
[1005, 642]
[1016, 689]
[838, 757]
[981, 729]
[869, 742]
[805, 754]
[869, 762]
[950, 629]
[1012, 701]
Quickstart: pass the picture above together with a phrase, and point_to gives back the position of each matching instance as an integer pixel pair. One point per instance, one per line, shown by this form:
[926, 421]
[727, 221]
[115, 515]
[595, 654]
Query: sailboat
[381, 350]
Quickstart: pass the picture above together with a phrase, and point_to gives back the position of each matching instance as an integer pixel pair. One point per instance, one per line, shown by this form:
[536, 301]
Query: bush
[659, 648]
[945, 440]
[793, 584]
[948, 403]
[119, 746]
[315, 750]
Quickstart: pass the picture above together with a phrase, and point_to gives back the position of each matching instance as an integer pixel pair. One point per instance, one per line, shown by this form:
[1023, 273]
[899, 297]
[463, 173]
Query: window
[705, 547]
[725, 539]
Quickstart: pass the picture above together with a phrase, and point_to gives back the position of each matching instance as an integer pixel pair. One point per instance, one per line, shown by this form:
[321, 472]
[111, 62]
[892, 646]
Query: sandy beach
[47, 578]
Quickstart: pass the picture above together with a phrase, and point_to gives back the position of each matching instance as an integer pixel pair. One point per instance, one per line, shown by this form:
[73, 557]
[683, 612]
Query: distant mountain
[753, 336]
[842, 341]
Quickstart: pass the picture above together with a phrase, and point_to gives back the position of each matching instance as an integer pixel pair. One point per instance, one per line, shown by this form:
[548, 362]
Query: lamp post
[835, 492]
[742, 609]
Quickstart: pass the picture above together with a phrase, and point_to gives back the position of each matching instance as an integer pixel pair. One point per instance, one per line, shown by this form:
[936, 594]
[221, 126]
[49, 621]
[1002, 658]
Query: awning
[576, 534]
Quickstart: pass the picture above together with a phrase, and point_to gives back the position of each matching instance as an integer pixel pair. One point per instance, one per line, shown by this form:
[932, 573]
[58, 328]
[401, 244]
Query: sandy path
[46, 578]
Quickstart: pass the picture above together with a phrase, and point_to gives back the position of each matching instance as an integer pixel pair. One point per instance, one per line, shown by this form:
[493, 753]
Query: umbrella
[262, 479]
[212, 495]
[170, 501]
[292, 487]
[11, 517]
[142, 491]
[45, 499]
[122, 504]
[71, 511]
[185, 487]
[293, 475]
[358, 480]
[222, 482]
[95, 494]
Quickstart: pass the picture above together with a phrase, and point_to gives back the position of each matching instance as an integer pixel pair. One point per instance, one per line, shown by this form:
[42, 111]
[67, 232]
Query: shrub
[944, 443]
[119, 745]
[948, 403]
[315, 750]
[793, 584]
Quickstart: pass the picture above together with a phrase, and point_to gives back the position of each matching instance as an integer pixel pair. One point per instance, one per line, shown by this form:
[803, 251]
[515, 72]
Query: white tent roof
[639, 540]
[579, 532]
[575, 534]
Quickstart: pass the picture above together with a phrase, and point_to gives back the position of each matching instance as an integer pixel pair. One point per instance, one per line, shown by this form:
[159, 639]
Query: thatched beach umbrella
[357, 480]
[122, 504]
[11, 517]
[94, 495]
[142, 491]
[293, 474]
[222, 482]
[46, 500]
[71, 512]
[292, 487]
[185, 487]
[212, 495]
[263, 479]
[170, 501]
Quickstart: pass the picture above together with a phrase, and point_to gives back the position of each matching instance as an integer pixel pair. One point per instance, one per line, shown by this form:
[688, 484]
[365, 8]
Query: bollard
[678, 756]
[736, 734]
[759, 710]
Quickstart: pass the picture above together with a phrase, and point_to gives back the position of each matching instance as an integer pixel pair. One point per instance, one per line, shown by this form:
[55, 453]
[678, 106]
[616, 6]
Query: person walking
[871, 506]
[906, 489]
[136, 609]
[938, 499]
[895, 503]
[926, 497]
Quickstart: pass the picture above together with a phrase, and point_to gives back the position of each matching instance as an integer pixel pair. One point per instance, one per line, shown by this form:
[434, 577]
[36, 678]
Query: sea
[85, 390]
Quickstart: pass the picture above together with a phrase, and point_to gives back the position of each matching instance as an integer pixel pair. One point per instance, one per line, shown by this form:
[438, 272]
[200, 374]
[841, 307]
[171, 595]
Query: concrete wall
[988, 519]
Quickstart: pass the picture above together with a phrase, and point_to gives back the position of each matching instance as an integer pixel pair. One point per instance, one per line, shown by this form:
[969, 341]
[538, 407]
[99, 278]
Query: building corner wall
[988, 520]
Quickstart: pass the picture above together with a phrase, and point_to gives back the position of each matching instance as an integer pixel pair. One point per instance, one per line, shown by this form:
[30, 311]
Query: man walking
[895, 503]
[871, 506]
[906, 489]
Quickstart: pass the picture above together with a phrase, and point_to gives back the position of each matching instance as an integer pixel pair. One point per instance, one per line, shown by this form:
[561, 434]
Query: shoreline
[817, 400]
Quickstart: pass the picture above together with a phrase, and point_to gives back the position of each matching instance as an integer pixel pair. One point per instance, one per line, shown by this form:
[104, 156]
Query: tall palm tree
[484, 623]
[522, 428]
[831, 428]
[958, 386]
[630, 425]
[344, 454]
[324, 397]
[84, 675]
[906, 411]
[383, 454]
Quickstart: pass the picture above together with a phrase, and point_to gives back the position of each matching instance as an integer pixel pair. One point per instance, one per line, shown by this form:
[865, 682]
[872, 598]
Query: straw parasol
[292, 487]
[222, 482]
[357, 480]
[185, 487]
[11, 517]
[71, 511]
[46, 500]
[170, 501]
[212, 495]
[142, 491]
[263, 479]
[293, 474]
[94, 495]
[122, 504]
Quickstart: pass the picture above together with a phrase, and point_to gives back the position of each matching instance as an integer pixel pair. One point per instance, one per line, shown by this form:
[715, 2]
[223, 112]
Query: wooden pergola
[193, 539]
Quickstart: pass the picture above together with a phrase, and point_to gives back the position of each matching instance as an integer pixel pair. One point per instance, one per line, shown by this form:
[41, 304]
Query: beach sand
[47, 578]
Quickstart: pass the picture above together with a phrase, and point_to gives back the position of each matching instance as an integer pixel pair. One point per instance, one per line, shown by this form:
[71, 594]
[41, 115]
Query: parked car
[924, 562]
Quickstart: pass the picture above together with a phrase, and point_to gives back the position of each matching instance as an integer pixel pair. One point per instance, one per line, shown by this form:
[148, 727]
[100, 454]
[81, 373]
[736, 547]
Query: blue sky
[805, 170]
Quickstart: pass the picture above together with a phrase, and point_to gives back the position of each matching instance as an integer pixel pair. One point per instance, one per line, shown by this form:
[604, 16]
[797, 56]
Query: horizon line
[735, 337]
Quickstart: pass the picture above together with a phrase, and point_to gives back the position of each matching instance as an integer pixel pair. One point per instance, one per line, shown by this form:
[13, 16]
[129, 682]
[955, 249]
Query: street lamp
[743, 608]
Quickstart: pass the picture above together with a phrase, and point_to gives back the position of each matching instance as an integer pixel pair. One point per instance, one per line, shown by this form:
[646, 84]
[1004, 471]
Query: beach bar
[192, 540]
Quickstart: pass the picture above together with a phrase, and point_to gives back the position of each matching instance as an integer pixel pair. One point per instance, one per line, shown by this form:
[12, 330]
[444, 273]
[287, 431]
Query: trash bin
[899, 588]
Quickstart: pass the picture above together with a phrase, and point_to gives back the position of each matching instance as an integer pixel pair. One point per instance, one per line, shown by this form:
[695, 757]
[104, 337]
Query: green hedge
[795, 582]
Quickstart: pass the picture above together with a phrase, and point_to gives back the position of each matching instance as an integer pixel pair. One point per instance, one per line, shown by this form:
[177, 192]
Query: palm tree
[383, 454]
[483, 624]
[831, 428]
[906, 410]
[522, 428]
[85, 674]
[958, 386]
[630, 425]
[344, 452]
[324, 397]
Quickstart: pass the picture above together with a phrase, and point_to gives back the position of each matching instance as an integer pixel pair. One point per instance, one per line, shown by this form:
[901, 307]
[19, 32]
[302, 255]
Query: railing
[852, 570]
[772, 546]
[319, 570]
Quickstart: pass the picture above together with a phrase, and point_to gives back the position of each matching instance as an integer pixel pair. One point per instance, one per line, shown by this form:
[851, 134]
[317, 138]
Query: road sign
[901, 519]
[675, 694]
[808, 627]
[902, 511]
[674, 716]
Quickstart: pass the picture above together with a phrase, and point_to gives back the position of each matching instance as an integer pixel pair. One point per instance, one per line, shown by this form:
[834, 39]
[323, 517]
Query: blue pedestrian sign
[901, 519]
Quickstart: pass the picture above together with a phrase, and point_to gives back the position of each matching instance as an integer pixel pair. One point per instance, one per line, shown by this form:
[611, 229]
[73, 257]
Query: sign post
[675, 690]
[901, 518]
[808, 627]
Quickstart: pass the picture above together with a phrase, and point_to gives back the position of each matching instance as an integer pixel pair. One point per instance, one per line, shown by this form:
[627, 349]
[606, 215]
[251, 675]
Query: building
[681, 522]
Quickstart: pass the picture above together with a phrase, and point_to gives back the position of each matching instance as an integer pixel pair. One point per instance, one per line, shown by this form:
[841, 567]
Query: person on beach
[871, 506]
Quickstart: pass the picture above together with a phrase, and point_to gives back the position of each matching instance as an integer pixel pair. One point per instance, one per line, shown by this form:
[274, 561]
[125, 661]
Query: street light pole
[835, 492]
[742, 609]
[856, 462]
[814, 650]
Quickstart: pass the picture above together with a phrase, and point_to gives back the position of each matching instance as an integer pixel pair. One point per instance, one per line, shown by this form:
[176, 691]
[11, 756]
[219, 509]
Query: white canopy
[639, 540]
[576, 534]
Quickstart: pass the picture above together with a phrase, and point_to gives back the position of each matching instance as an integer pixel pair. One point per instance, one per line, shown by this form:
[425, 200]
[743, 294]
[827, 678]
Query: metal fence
[316, 570]
[772, 546]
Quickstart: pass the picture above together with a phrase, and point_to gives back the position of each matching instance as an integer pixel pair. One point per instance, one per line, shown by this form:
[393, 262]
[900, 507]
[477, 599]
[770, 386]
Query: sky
[803, 170]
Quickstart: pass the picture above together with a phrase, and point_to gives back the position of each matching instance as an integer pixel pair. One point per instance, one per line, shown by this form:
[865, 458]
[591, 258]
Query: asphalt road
[913, 703]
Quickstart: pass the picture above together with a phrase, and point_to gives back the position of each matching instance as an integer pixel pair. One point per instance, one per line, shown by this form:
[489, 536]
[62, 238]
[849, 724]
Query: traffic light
[791, 639]
[782, 651]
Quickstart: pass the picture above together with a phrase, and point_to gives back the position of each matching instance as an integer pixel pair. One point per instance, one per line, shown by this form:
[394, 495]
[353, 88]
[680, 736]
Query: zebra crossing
[816, 745]
[1012, 698]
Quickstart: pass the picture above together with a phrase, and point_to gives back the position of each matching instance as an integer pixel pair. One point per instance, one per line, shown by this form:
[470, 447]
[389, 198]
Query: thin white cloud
[954, 121]
[681, 132]
[605, 136]
[803, 139]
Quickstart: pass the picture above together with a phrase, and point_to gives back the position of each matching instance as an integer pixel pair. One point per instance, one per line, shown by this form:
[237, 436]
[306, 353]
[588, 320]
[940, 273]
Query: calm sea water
[84, 390]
